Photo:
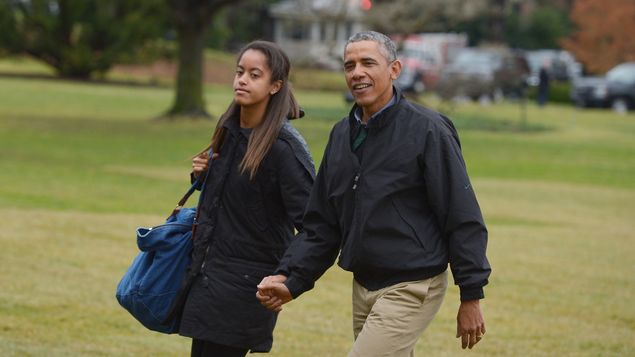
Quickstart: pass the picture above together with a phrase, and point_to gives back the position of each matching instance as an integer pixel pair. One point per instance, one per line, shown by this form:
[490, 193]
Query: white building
[315, 32]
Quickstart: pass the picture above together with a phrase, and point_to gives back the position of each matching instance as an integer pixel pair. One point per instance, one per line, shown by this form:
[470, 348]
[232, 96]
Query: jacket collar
[233, 126]
[384, 117]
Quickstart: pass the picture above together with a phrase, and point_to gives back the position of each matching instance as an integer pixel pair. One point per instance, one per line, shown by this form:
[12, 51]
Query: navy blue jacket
[402, 213]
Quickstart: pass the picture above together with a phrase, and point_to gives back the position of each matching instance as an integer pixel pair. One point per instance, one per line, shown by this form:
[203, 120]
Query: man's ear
[395, 69]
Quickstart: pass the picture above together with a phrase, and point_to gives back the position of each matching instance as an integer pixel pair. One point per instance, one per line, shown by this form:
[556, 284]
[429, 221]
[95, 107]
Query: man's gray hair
[386, 45]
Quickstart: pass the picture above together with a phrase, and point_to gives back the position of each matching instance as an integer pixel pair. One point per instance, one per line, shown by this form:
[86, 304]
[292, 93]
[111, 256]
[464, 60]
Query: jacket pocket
[247, 274]
[257, 216]
[402, 214]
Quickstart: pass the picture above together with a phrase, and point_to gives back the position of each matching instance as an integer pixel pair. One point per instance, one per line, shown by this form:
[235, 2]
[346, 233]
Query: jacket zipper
[355, 187]
[215, 206]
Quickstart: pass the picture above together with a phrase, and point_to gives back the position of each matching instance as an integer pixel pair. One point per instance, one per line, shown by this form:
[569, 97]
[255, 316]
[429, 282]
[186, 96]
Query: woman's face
[252, 83]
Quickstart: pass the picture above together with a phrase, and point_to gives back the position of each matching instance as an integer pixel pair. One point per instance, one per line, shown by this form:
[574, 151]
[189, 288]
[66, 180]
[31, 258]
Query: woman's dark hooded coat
[244, 229]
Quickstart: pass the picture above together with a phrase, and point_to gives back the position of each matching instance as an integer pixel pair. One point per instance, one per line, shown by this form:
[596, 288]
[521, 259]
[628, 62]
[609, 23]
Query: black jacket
[244, 230]
[401, 214]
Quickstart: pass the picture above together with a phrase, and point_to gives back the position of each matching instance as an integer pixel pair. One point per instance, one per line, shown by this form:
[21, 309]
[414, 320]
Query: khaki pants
[388, 322]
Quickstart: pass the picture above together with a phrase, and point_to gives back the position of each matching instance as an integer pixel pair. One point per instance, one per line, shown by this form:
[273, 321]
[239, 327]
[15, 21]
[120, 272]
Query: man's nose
[356, 72]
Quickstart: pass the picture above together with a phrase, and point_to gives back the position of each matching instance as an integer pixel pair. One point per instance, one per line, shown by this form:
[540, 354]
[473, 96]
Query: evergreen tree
[544, 28]
[79, 38]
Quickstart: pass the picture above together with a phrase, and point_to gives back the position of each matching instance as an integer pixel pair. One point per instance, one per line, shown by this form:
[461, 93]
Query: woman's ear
[275, 87]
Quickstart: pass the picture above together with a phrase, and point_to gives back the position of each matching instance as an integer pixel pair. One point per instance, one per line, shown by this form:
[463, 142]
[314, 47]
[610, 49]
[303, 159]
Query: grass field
[82, 165]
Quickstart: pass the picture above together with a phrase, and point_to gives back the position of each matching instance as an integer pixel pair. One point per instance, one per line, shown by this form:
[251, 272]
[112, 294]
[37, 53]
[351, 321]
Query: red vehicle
[424, 56]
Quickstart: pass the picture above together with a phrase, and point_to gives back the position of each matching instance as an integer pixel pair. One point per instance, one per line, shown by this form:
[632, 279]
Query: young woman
[254, 198]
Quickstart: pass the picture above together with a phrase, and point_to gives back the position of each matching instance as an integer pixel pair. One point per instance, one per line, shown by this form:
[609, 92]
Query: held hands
[470, 325]
[199, 163]
[272, 293]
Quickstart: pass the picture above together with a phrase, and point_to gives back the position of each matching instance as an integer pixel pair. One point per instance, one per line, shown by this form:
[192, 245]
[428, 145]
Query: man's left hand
[470, 325]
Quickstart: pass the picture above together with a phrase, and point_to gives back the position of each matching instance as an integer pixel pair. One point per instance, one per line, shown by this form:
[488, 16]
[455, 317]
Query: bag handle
[196, 184]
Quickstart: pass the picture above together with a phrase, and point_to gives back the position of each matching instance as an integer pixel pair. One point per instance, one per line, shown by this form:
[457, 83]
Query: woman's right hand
[199, 163]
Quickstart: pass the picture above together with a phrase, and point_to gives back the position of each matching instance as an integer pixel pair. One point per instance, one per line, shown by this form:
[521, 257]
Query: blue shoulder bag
[152, 288]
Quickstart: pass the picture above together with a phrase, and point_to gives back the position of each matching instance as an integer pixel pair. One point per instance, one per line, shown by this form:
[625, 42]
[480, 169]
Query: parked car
[562, 65]
[616, 89]
[411, 80]
[479, 73]
[423, 57]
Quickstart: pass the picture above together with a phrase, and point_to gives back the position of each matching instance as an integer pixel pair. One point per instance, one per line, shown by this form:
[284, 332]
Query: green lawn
[82, 165]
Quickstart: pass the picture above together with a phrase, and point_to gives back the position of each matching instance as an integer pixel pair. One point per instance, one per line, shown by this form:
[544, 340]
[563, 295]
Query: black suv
[615, 90]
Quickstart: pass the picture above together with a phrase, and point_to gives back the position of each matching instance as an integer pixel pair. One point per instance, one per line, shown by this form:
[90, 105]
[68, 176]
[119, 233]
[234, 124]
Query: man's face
[369, 75]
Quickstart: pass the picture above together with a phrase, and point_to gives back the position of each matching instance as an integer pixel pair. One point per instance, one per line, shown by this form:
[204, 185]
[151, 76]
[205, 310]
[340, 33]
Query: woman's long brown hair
[281, 105]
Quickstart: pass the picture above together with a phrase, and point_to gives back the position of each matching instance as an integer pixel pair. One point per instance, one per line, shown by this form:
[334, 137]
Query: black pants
[202, 348]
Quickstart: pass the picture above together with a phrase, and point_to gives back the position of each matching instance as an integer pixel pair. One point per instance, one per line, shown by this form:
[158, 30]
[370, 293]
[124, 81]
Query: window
[349, 29]
[296, 30]
[322, 31]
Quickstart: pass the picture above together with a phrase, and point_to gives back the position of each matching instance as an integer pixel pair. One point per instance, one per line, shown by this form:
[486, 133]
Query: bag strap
[198, 182]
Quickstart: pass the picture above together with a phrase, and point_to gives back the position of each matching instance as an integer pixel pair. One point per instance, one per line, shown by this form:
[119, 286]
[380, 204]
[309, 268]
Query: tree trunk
[189, 99]
[192, 19]
[497, 21]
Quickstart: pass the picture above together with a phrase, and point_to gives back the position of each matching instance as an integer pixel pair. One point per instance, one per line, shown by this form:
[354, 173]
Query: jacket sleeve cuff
[193, 179]
[297, 286]
[281, 271]
[468, 294]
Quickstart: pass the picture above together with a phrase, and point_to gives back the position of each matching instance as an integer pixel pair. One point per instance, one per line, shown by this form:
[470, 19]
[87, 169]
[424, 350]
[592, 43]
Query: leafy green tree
[544, 28]
[484, 21]
[234, 26]
[248, 22]
[8, 36]
[79, 38]
[412, 16]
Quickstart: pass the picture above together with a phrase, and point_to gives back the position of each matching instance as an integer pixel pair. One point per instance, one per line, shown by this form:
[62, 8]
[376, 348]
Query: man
[543, 83]
[393, 198]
